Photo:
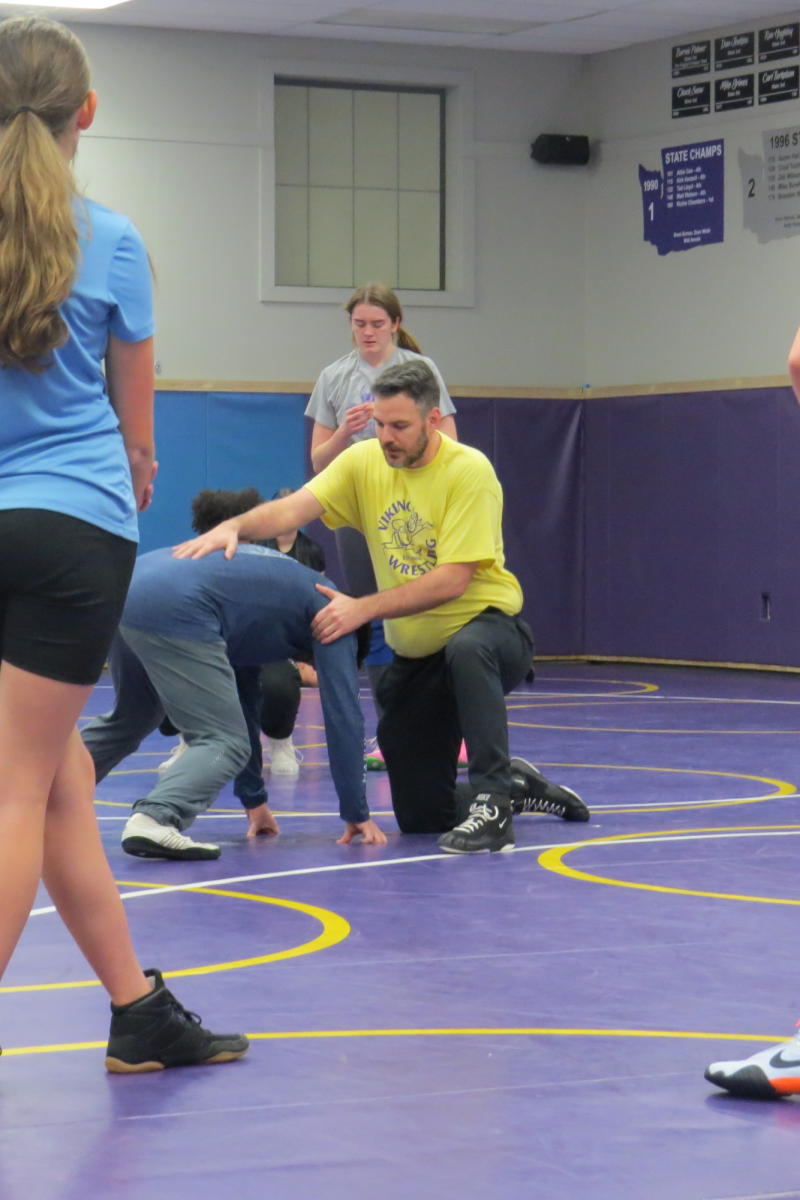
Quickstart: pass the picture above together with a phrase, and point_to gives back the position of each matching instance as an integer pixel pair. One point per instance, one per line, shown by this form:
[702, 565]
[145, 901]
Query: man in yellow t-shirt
[431, 510]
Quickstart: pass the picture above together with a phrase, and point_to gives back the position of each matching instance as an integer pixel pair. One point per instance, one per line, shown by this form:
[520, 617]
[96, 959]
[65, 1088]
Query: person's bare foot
[262, 822]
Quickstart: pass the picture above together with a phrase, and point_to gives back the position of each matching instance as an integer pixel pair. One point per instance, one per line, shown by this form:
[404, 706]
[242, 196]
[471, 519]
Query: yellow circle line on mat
[680, 732]
[334, 929]
[643, 687]
[533, 1031]
[552, 860]
[573, 703]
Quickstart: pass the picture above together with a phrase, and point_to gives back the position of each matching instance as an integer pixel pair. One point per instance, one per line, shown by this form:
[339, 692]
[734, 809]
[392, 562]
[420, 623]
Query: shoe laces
[175, 840]
[287, 749]
[479, 815]
[544, 806]
[192, 1018]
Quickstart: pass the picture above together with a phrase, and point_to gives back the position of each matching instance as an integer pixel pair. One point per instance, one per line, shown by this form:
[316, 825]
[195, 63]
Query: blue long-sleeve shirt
[261, 604]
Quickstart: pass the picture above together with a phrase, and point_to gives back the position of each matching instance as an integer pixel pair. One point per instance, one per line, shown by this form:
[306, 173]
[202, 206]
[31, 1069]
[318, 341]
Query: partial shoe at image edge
[766, 1075]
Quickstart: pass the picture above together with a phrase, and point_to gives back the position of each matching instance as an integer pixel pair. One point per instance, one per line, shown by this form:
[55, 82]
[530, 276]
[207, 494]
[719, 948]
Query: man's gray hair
[414, 379]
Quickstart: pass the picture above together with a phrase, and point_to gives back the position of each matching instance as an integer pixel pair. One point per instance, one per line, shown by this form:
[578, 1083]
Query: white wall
[176, 146]
[714, 312]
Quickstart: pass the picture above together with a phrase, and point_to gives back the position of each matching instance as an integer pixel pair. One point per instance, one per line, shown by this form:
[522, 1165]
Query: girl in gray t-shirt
[341, 403]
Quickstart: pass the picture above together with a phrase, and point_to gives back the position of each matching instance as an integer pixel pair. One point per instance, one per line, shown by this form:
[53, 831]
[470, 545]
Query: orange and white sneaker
[767, 1075]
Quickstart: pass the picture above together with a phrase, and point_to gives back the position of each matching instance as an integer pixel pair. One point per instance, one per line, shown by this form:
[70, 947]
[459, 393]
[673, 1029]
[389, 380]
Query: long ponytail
[44, 80]
[383, 297]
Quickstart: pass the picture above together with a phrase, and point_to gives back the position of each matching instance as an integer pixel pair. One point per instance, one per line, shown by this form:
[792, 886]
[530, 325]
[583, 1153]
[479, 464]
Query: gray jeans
[194, 684]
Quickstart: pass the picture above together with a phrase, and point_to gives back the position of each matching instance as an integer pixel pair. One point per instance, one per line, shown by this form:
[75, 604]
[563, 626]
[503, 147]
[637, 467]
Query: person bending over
[281, 682]
[186, 627]
[431, 511]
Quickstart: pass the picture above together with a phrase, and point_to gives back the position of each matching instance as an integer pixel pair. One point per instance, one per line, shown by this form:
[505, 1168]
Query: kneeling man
[431, 511]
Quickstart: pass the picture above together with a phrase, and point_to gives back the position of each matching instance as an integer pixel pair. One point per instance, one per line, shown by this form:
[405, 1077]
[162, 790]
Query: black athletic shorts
[63, 584]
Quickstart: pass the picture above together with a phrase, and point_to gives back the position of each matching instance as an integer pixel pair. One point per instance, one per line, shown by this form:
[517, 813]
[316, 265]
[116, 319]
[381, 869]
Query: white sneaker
[283, 758]
[180, 749]
[766, 1075]
[143, 837]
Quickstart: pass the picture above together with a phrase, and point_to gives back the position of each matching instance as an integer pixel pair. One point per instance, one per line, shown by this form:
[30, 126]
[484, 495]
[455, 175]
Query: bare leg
[37, 722]
[78, 877]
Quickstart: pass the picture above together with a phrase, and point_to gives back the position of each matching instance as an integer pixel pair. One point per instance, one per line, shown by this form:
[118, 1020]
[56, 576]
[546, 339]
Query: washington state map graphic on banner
[684, 202]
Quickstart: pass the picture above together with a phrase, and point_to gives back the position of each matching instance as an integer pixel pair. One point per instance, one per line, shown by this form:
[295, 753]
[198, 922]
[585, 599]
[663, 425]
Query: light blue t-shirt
[60, 444]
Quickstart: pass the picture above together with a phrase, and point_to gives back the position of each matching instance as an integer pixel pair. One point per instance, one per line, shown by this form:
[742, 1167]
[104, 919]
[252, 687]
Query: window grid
[397, 90]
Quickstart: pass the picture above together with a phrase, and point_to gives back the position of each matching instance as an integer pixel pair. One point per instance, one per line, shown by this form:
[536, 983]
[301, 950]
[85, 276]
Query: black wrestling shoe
[488, 828]
[156, 1031]
[532, 793]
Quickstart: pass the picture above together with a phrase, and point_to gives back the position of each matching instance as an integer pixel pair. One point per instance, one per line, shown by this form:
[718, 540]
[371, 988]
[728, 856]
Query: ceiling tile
[571, 26]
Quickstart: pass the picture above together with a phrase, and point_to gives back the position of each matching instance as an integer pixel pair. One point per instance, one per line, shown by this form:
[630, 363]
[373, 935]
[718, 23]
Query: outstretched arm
[266, 521]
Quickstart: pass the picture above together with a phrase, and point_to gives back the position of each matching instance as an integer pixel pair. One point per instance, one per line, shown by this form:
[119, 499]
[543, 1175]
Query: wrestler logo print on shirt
[369, 430]
[409, 549]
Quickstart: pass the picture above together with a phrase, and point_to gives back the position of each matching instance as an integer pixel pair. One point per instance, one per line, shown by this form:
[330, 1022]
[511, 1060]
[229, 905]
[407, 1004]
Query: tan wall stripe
[487, 392]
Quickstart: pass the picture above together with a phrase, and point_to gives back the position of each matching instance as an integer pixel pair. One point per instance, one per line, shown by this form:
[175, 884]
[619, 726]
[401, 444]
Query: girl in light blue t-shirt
[76, 463]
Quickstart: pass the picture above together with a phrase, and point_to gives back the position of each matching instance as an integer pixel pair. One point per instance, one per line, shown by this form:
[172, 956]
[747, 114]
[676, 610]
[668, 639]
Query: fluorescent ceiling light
[63, 3]
[381, 18]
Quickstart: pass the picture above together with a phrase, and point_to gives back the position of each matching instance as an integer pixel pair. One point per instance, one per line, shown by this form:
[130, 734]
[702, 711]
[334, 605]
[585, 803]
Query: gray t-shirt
[349, 381]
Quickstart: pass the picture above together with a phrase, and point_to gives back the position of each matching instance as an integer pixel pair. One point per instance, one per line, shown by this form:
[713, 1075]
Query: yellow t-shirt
[416, 519]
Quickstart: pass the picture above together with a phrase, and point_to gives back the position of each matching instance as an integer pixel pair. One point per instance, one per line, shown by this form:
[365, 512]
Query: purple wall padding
[692, 517]
[648, 526]
[538, 458]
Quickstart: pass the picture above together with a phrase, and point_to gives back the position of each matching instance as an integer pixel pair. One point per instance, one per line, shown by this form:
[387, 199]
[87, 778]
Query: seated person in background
[185, 627]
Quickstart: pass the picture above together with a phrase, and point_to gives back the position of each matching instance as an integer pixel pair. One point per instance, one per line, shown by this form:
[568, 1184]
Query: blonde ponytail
[380, 296]
[44, 80]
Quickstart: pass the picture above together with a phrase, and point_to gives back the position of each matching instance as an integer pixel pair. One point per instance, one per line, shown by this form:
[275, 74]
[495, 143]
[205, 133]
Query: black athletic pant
[280, 698]
[431, 703]
[280, 703]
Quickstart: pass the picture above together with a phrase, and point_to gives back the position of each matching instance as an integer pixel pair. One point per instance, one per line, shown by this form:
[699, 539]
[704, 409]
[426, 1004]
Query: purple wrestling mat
[527, 1026]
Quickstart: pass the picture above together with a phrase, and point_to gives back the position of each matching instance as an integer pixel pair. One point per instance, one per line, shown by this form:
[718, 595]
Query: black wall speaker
[563, 149]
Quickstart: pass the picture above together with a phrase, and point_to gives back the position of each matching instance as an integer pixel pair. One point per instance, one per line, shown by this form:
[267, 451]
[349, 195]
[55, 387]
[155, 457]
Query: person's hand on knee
[262, 822]
[371, 835]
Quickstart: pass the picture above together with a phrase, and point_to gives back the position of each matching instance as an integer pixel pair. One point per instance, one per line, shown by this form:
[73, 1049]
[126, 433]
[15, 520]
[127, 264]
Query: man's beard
[414, 455]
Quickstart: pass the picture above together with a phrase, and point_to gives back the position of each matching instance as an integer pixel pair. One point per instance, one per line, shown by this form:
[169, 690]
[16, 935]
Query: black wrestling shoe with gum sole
[488, 828]
[156, 1032]
[531, 792]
